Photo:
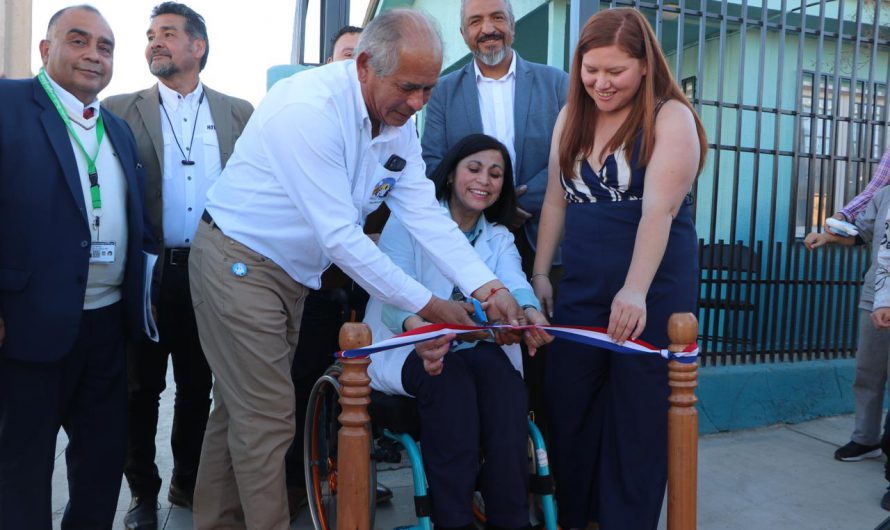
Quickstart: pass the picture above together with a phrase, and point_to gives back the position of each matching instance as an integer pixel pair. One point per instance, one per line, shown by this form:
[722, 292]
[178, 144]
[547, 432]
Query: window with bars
[838, 137]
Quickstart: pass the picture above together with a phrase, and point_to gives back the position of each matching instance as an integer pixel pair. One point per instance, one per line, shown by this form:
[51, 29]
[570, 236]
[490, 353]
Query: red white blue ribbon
[585, 335]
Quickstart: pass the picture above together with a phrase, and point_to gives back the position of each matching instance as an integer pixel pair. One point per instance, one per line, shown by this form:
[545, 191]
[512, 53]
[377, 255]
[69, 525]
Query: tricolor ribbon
[585, 335]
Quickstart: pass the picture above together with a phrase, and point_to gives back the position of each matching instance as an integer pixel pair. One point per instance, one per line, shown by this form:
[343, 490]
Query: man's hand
[814, 240]
[520, 216]
[881, 317]
[535, 338]
[439, 310]
[2, 331]
[450, 311]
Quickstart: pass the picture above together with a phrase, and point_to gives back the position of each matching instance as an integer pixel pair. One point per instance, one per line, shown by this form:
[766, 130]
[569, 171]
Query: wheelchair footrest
[541, 485]
[423, 506]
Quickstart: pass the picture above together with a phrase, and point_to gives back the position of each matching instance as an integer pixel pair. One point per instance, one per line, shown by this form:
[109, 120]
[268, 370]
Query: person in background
[479, 396]
[881, 320]
[626, 151]
[344, 43]
[185, 132]
[72, 235]
[873, 348]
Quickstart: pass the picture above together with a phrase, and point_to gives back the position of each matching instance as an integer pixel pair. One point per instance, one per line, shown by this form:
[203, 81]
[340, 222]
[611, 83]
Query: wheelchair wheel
[320, 452]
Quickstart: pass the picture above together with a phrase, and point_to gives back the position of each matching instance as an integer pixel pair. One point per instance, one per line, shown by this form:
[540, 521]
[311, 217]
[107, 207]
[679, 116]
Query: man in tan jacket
[185, 133]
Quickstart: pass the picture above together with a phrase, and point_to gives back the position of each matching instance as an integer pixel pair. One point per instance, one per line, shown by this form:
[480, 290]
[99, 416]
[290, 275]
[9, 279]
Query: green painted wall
[740, 126]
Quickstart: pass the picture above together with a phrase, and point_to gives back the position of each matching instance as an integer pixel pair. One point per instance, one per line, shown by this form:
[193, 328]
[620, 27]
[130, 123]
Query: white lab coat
[496, 249]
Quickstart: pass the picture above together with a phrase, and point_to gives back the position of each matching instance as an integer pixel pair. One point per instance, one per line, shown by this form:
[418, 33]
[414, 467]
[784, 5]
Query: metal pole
[579, 12]
[296, 53]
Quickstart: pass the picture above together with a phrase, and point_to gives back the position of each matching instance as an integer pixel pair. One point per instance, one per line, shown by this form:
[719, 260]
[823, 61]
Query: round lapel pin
[239, 269]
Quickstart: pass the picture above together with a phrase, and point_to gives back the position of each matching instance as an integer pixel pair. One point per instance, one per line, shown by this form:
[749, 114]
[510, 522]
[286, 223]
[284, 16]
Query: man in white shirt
[72, 234]
[324, 149]
[185, 132]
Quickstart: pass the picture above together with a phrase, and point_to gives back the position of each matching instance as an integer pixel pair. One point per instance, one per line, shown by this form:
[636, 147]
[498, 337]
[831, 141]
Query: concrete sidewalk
[780, 477]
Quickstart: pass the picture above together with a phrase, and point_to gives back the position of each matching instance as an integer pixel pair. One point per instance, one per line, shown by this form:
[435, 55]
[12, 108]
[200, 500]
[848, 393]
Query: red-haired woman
[626, 150]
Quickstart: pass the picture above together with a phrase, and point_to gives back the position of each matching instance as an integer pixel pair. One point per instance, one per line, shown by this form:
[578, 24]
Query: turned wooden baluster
[354, 440]
[682, 426]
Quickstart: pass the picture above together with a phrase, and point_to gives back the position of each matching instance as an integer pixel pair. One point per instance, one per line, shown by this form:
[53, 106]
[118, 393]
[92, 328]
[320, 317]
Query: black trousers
[85, 393]
[147, 375]
[475, 408]
[323, 314]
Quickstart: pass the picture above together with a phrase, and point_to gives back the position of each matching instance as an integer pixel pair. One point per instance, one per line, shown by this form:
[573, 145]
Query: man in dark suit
[185, 132]
[71, 278]
[499, 94]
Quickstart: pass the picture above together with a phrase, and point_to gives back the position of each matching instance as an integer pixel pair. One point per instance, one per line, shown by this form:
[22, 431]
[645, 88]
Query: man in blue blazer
[499, 94]
[71, 278]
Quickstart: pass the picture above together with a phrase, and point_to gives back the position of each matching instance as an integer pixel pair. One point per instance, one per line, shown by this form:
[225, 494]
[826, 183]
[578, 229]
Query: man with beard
[516, 101]
[181, 164]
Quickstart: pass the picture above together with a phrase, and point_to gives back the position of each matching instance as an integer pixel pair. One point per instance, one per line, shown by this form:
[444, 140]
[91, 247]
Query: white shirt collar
[172, 99]
[71, 102]
[510, 71]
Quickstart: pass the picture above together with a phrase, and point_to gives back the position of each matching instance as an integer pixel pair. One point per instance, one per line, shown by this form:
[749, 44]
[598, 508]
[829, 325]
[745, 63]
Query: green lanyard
[95, 193]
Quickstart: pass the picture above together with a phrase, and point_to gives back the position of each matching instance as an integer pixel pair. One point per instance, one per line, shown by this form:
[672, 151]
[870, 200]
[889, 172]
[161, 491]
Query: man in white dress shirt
[324, 149]
[185, 132]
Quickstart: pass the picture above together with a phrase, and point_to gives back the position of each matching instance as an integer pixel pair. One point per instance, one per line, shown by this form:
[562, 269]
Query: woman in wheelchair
[474, 396]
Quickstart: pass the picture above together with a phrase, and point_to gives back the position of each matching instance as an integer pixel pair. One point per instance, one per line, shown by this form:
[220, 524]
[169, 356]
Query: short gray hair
[382, 38]
[463, 4]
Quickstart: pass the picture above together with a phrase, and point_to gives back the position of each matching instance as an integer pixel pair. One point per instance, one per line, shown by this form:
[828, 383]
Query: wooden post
[354, 440]
[682, 427]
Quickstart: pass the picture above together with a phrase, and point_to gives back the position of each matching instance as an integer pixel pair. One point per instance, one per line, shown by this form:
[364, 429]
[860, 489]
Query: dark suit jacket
[44, 231]
[453, 112]
[142, 112]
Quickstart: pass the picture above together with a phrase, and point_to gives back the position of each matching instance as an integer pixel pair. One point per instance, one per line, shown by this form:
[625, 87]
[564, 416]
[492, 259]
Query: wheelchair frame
[320, 463]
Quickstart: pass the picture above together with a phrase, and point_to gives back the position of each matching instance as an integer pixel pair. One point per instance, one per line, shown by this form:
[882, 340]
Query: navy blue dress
[608, 411]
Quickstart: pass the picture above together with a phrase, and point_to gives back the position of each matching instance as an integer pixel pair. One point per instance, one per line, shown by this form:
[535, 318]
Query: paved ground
[780, 477]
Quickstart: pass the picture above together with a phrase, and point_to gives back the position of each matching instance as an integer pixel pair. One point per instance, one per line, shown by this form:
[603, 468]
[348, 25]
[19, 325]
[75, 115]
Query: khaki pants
[248, 327]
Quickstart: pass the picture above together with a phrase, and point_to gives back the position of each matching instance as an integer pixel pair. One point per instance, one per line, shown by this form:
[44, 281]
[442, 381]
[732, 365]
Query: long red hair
[628, 29]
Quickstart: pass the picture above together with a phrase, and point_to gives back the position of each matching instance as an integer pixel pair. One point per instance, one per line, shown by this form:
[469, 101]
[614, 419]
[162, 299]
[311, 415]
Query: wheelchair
[394, 423]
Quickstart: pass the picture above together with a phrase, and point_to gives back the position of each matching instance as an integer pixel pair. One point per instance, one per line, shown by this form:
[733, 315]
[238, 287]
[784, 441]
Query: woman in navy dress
[626, 150]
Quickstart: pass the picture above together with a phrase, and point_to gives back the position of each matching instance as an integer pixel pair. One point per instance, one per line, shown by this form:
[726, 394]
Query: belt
[178, 257]
[207, 218]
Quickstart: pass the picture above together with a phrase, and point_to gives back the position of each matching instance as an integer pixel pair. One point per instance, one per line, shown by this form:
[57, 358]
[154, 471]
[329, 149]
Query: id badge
[102, 252]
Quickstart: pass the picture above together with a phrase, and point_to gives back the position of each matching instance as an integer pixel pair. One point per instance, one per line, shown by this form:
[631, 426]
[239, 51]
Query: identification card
[102, 252]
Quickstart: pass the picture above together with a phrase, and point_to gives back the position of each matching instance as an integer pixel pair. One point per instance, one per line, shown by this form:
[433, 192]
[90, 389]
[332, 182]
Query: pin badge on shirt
[381, 189]
[239, 269]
